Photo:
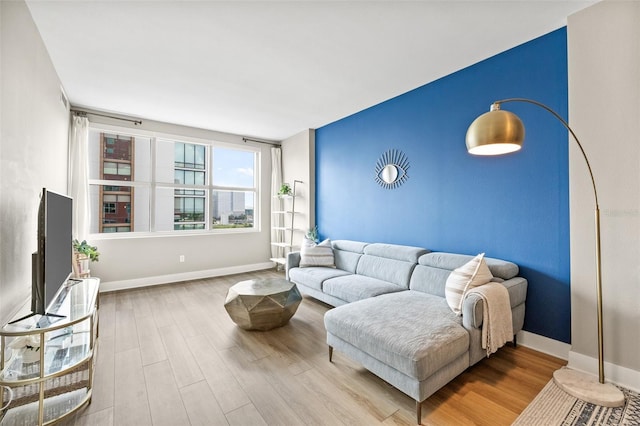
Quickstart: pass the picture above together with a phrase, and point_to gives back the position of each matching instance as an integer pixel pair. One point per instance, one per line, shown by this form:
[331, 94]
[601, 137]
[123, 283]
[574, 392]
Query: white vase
[81, 265]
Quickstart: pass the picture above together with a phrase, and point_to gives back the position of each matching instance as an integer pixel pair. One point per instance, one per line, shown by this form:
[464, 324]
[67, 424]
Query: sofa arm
[472, 306]
[472, 311]
[517, 288]
[293, 261]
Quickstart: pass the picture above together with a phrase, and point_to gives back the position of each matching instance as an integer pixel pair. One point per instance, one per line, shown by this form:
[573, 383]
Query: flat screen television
[53, 262]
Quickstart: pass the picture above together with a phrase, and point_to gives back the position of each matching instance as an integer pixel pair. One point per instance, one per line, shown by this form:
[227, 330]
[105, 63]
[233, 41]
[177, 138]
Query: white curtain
[277, 220]
[79, 176]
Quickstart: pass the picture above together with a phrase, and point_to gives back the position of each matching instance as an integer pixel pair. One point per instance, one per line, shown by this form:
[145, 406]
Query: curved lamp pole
[500, 132]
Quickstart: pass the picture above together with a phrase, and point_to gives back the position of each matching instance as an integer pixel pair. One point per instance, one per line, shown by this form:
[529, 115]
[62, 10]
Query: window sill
[170, 234]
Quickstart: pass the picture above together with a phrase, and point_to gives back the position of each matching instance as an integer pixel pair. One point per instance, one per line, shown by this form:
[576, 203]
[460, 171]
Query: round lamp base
[587, 388]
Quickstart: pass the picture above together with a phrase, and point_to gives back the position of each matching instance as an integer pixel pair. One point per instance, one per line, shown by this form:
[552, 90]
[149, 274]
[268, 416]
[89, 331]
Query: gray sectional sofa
[391, 314]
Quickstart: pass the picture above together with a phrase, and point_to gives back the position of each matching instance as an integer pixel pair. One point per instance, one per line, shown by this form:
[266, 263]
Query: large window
[151, 184]
[234, 188]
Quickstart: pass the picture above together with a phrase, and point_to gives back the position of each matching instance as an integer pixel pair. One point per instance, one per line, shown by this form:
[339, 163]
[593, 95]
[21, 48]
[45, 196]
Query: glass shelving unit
[64, 342]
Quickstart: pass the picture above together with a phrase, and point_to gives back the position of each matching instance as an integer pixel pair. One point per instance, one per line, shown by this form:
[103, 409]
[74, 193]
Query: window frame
[153, 185]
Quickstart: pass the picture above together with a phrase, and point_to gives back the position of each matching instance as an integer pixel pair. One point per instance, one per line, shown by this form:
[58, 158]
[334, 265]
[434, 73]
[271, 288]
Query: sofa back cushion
[389, 262]
[433, 269]
[347, 253]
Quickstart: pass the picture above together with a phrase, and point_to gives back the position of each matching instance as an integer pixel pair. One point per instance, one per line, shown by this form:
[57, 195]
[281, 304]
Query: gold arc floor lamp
[500, 132]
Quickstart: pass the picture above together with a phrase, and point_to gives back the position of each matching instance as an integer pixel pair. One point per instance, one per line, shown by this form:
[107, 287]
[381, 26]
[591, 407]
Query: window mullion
[209, 205]
[152, 194]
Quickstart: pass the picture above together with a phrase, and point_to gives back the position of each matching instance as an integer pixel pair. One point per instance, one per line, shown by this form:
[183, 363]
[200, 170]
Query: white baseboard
[613, 373]
[183, 276]
[616, 374]
[544, 344]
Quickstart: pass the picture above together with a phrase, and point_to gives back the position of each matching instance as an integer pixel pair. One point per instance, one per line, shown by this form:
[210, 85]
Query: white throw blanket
[497, 326]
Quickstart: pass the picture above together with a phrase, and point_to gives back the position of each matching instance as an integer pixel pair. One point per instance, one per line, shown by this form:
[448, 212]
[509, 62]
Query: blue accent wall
[514, 207]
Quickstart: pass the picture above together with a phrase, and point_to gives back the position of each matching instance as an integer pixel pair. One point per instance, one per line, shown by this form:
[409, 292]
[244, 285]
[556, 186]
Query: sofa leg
[515, 341]
[330, 353]
[419, 412]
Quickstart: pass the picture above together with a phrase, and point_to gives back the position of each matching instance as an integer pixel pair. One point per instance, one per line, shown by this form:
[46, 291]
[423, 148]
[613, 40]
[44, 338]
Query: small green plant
[312, 234]
[285, 189]
[87, 249]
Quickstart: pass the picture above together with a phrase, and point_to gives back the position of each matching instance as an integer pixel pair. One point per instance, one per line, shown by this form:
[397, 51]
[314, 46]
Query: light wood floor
[170, 355]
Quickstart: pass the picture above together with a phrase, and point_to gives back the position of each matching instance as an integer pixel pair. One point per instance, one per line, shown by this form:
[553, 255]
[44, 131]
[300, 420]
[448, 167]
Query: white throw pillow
[312, 254]
[472, 274]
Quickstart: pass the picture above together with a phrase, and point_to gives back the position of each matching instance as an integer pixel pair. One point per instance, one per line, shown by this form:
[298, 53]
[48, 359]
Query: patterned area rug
[552, 406]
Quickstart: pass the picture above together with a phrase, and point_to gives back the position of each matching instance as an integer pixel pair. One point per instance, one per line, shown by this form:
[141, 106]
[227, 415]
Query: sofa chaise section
[412, 339]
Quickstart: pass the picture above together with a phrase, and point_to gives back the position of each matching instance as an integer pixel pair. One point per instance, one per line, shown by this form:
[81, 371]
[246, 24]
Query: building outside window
[146, 184]
[116, 159]
[234, 191]
[189, 169]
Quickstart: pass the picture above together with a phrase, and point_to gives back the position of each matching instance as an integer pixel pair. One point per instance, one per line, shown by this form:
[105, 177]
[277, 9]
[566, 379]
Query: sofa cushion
[314, 277]
[429, 280]
[312, 254]
[414, 332]
[347, 254]
[393, 271]
[499, 268]
[346, 260]
[394, 251]
[352, 288]
[389, 262]
[433, 269]
[348, 245]
[472, 274]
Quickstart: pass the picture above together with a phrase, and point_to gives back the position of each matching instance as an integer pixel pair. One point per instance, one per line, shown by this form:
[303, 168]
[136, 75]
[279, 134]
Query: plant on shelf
[285, 189]
[312, 234]
[86, 249]
[83, 254]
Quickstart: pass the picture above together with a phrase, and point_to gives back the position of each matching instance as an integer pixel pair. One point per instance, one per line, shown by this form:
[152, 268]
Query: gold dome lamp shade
[495, 132]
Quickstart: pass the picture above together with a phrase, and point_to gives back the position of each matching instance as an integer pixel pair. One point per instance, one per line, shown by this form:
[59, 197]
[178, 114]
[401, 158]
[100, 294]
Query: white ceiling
[271, 69]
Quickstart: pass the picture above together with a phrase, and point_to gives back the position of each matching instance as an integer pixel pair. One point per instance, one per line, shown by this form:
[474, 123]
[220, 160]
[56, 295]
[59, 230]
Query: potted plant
[285, 189]
[84, 253]
[29, 345]
[312, 234]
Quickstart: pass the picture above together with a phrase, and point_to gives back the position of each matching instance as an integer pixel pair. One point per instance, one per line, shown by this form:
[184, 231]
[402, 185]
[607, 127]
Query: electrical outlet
[182, 258]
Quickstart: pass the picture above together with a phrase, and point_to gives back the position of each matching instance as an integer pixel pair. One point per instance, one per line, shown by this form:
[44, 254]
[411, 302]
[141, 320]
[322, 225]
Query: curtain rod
[85, 113]
[258, 141]
[138, 122]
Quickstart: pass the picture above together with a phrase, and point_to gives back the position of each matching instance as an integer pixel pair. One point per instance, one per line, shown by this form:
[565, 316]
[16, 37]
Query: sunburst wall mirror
[391, 169]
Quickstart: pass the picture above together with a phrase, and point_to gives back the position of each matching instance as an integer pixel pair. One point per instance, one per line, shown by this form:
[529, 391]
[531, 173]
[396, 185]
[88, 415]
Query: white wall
[33, 147]
[298, 163]
[604, 110]
[128, 261]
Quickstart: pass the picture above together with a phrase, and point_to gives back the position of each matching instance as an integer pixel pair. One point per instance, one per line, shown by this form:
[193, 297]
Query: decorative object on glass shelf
[29, 346]
[83, 254]
[285, 189]
[8, 398]
[312, 234]
[391, 169]
[500, 132]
